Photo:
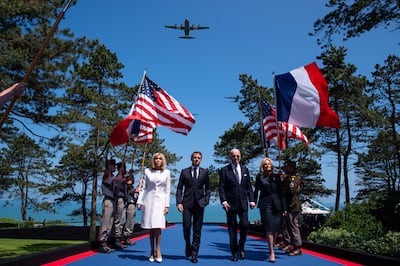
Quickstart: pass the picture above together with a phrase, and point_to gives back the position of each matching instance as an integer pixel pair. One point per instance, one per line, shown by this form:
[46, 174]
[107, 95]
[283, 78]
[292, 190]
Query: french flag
[302, 98]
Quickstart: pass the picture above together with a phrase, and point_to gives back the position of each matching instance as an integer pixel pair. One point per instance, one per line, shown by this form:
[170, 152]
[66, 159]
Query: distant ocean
[213, 213]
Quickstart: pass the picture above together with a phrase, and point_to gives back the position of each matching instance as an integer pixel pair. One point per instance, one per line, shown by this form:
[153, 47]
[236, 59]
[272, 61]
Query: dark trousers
[291, 231]
[233, 226]
[195, 214]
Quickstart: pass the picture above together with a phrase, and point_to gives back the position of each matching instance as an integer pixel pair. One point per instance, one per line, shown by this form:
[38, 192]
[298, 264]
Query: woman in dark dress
[270, 202]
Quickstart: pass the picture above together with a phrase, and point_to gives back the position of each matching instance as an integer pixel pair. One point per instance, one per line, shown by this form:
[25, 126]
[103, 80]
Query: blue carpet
[214, 250]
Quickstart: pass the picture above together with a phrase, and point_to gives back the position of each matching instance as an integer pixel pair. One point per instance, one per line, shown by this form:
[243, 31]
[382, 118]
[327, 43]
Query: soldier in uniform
[108, 207]
[120, 195]
[291, 191]
[132, 194]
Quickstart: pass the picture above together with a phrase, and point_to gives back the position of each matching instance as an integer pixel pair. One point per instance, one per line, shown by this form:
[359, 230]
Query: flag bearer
[120, 195]
[130, 205]
[108, 207]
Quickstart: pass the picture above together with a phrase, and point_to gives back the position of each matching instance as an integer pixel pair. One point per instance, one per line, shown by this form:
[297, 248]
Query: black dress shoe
[194, 259]
[234, 257]
[242, 254]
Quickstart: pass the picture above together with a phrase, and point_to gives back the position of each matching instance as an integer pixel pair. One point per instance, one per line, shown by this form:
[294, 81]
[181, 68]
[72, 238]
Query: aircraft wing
[177, 27]
[198, 27]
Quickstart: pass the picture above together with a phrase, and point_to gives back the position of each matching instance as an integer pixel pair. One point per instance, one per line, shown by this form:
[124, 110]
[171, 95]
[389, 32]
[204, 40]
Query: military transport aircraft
[187, 28]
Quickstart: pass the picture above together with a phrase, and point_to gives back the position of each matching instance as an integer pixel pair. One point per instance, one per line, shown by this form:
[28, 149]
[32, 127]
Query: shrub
[355, 228]
[387, 245]
[356, 218]
[333, 237]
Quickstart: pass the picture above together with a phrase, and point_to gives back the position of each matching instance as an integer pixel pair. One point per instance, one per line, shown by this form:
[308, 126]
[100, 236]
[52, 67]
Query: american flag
[270, 128]
[153, 107]
[142, 131]
[157, 107]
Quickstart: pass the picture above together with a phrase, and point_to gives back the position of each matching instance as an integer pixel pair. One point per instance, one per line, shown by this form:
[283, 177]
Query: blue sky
[254, 37]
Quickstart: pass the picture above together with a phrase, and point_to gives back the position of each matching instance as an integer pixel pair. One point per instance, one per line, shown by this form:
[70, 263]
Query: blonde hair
[263, 161]
[164, 164]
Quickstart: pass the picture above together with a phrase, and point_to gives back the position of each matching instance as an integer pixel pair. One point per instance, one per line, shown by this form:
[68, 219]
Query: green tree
[23, 29]
[308, 169]
[353, 18]
[386, 85]
[214, 181]
[377, 171]
[90, 107]
[380, 164]
[26, 170]
[350, 102]
[72, 179]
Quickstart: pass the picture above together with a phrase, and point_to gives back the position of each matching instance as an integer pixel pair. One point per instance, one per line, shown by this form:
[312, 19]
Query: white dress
[154, 196]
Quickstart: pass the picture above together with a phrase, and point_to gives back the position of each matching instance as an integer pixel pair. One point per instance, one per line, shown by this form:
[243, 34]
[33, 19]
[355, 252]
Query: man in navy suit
[236, 192]
[192, 196]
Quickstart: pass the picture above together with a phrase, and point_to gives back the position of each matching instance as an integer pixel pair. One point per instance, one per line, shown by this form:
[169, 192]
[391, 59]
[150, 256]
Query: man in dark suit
[236, 192]
[192, 196]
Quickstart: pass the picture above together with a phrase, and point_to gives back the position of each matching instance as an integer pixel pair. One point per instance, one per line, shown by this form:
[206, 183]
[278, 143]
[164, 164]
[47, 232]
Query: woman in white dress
[153, 200]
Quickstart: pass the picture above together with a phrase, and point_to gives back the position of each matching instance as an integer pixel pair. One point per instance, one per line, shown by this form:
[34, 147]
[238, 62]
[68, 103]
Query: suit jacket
[271, 191]
[191, 190]
[231, 191]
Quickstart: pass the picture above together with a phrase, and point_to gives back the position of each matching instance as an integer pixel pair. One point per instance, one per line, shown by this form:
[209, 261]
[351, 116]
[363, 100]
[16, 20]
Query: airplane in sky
[187, 28]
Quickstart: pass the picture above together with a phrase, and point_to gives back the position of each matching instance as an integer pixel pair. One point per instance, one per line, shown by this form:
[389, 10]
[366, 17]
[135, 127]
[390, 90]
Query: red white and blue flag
[302, 98]
[131, 128]
[270, 128]
[153, 107]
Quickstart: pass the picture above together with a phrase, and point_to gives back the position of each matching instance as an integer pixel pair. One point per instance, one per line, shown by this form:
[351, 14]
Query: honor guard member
[291, 229]
[119, 194]
[107, 206]
[132, 194]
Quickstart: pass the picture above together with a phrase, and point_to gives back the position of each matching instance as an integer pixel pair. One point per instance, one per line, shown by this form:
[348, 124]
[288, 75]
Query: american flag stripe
[270, 128]
[292, 131]
[155, 104]
[145, 134]
[147, 110]
[174, 108]
[174, 104]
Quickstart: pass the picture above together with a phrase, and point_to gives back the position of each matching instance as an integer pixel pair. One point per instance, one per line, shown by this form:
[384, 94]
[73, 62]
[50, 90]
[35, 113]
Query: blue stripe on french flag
[302, 98]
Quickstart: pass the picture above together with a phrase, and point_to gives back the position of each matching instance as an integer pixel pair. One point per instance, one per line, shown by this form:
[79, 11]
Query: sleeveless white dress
[154, 196]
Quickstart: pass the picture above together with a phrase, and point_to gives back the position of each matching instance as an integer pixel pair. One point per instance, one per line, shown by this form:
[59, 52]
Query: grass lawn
[11, 248]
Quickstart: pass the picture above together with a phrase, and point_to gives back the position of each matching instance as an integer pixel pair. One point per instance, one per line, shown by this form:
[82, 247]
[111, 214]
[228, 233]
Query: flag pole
[133, 157]
[277, 122]
[141, 84]
[144, 75]
[36, 59]
[145, 146]
[265, 148]
[126, 149]
[142, 167]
